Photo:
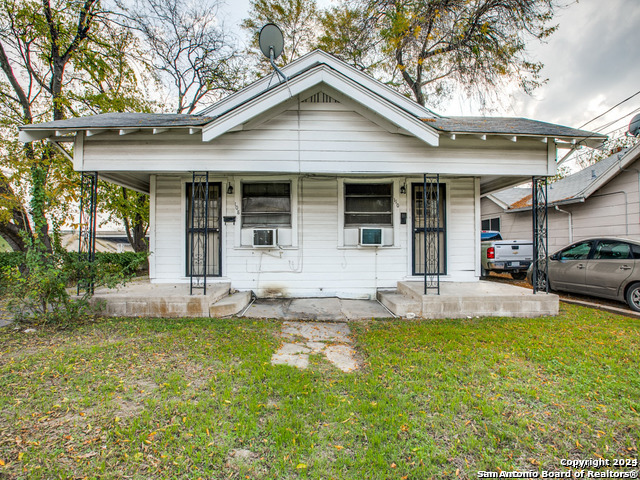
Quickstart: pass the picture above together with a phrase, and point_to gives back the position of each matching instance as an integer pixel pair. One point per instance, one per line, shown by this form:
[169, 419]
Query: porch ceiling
[138, 181]
[493, 183]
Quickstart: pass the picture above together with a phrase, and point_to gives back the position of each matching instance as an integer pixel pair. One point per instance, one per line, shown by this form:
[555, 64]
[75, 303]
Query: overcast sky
[592, 63]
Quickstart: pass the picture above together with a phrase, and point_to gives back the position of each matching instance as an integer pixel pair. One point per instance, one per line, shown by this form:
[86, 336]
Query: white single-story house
[316, 184]
[600, 200]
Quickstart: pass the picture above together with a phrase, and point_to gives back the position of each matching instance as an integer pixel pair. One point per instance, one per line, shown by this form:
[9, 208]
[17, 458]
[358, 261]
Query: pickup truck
[505, 256]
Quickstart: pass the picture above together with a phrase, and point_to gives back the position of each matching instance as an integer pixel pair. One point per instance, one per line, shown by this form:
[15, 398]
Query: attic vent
[320, 98]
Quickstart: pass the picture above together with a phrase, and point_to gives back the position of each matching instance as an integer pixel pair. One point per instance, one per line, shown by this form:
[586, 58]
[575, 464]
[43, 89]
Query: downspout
[570, 222]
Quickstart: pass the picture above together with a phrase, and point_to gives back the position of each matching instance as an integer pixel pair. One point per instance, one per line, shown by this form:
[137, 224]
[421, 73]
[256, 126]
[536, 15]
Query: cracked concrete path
[305, 338]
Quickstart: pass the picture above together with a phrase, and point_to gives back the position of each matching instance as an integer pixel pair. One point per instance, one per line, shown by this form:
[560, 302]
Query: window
[266, 204]
[491, 224]
[579, 251]
[368, 204]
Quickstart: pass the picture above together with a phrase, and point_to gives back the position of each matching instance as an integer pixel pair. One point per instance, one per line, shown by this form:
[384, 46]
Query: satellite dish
[271, 41]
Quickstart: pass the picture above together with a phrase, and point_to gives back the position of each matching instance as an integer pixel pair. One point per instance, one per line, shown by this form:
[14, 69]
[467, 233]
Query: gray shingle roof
[461, 125]
[507, 126]
[512, 195]
[571, 187]
[124, 120]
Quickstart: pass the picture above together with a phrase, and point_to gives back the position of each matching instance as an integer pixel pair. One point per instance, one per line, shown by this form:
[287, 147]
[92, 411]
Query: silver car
[602, 267]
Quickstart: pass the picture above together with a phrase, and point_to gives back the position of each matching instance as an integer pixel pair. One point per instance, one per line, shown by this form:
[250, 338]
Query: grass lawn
[149, 398]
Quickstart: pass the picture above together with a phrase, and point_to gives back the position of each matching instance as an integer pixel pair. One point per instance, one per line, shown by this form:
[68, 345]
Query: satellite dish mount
[271, 43]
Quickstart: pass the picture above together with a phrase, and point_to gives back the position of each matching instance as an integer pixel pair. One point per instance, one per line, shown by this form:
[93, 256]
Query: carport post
[540, 234]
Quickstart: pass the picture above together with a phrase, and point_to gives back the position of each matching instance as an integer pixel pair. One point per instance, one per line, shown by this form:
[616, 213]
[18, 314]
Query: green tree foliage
[298, 20]
[350, 34]
[478, 44]
[38, 289]
[59, 59]
[425, 47]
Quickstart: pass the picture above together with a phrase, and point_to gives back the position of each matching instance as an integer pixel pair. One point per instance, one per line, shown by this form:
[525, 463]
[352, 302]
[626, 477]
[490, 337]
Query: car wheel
[483, 272]
[518, 275]
[633, 297]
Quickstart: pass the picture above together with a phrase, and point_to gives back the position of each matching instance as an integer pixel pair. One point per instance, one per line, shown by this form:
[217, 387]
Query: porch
[468, 299]
[456, 300]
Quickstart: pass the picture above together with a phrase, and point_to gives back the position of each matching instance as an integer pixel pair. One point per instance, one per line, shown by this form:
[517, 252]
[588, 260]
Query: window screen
[367, 204]
[266, 204]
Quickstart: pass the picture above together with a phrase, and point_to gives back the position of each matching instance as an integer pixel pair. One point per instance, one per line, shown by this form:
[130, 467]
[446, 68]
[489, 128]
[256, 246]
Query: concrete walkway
[323, 309]
[305, 338]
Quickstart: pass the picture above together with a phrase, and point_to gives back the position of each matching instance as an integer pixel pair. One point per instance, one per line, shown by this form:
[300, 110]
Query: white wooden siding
[318, 266]
[169, 231]
[313, 138]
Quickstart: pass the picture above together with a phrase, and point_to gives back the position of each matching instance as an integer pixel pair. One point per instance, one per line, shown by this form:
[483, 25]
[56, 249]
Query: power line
[617, 105]
[613, 122]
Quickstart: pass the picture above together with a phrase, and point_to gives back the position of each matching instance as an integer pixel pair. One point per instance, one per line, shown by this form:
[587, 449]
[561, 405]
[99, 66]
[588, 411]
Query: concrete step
[411, 290]
[231, 305]
[400, 304]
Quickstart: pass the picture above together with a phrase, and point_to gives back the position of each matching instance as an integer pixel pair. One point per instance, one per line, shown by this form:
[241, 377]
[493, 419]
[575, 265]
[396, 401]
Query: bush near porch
[198, 398]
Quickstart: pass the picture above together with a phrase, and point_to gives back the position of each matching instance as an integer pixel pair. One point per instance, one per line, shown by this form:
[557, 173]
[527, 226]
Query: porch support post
[198, 228]
[87, 228]
[424, 233]
[540, 234]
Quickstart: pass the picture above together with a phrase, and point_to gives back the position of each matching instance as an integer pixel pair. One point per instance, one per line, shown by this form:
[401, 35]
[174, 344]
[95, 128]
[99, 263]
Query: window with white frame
[368, 204]
[266, 204]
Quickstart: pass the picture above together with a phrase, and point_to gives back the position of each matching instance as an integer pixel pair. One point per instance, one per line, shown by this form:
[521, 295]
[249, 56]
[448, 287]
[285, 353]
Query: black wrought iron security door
[203, 230]
[429, 252]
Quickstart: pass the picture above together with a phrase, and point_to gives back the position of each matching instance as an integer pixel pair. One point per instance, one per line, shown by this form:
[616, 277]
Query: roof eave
[28, 133]
[566, 201]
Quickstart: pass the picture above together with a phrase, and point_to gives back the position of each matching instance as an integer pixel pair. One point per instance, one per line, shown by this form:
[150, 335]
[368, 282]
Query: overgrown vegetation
[198, 398]
[38, 284]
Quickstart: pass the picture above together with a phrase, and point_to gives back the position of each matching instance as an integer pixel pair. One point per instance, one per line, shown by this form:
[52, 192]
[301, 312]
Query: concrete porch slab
[477, 299]
[322, 309]
[144, 299]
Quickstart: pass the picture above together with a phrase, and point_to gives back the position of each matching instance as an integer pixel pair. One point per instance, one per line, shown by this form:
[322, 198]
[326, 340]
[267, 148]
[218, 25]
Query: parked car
[505, 256]
[601, 267]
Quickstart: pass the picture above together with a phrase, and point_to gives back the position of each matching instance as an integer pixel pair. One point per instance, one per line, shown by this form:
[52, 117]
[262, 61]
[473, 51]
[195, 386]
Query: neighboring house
[601, 200]
[106, 241]
[328, 166]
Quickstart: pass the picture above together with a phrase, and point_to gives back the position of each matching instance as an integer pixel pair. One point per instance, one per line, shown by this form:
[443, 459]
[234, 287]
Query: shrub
[38, 288]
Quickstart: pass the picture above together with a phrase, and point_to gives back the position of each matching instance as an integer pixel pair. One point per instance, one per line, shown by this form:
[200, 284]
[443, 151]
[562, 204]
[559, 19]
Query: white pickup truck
[505, 256]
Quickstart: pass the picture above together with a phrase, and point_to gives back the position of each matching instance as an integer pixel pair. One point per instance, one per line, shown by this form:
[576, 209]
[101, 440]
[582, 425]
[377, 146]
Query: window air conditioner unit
[265, 237]
[370, 237]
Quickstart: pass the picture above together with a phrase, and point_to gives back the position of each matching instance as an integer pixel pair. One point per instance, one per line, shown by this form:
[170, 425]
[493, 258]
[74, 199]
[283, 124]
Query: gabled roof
[316, 75]
[573, 188]
[307, 72]
[307, 62]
